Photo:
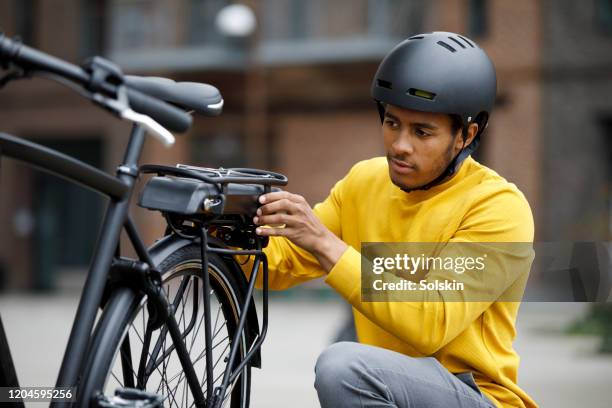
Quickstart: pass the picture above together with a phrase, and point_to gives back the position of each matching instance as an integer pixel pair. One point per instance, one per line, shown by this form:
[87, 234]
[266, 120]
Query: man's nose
[403, 145]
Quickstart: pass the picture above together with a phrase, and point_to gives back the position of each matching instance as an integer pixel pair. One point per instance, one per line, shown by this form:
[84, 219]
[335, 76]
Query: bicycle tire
[124, 308]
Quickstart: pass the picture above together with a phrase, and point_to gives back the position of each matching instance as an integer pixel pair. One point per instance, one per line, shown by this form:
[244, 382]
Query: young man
[434, 92]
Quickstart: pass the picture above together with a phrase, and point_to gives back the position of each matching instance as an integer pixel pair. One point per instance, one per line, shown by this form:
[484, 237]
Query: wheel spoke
[167, 376]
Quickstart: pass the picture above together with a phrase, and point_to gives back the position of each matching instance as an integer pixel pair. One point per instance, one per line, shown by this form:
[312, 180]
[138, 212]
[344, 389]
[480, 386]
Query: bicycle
[170, 291]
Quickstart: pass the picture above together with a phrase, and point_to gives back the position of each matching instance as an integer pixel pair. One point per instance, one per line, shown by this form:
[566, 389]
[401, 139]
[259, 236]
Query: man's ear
[471, 133]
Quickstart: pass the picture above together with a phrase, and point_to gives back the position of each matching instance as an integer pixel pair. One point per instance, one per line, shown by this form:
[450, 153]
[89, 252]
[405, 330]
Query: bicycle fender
[162, 248]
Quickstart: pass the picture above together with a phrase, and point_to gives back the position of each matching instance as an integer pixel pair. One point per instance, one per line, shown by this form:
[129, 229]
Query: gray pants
[357, 375]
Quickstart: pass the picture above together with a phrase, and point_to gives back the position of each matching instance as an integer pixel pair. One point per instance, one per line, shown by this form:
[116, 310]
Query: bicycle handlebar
[28, 58]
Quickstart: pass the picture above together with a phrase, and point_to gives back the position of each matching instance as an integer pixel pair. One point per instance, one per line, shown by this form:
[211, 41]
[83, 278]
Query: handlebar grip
[165, 114]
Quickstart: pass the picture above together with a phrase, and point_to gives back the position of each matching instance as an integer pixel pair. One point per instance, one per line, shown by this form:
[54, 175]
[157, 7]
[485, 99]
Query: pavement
[556, 370]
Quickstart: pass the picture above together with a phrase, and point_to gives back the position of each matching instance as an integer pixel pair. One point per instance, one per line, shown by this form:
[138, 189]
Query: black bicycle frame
[119, 189]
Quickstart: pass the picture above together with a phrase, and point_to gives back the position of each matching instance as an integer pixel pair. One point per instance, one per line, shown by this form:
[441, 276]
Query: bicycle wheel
[116, 358]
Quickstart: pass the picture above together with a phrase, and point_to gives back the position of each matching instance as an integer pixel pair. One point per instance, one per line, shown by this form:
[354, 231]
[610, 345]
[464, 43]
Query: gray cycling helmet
[439, 72]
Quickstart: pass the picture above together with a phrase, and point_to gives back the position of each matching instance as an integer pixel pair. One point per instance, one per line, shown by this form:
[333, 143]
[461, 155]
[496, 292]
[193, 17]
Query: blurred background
[295, 76]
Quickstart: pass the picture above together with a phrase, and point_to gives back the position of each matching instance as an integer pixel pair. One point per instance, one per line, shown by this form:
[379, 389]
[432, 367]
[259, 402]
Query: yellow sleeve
[288, 264]
[429, 323]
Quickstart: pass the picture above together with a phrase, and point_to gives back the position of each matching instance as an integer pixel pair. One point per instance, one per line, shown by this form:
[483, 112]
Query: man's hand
[301, 226]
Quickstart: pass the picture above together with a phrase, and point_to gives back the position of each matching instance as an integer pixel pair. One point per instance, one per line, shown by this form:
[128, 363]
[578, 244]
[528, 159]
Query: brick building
[297, 101]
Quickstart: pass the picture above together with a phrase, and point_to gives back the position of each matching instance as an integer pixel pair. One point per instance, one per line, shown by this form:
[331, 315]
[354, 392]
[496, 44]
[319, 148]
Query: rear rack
[253, 246]
[219, 176]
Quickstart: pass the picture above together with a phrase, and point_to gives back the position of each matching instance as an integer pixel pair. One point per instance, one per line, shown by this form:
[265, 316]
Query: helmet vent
[468, 42]
[384, 84]
[416, 37]
[422, 94]
[445, 45]
[456, 42]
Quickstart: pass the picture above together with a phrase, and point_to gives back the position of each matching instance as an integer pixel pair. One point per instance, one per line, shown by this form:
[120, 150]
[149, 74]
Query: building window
[25, 20]
[322, 19]
[143, 24]
[66, 216]
[222, 149]
[138, 24]
[478, 18]
[93, 25]
[166, 35]
[201, 19]
[607, 160]
[603, 15]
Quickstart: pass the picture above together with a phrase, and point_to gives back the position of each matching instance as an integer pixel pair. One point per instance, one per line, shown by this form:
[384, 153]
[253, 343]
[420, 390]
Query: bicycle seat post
[132, 153]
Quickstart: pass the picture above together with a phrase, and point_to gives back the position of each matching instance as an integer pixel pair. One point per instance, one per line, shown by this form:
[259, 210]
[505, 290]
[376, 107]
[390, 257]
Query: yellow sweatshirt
[476, 205]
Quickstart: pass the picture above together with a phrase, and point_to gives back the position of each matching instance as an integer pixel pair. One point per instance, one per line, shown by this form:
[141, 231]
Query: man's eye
[390, 123]
[420, 132]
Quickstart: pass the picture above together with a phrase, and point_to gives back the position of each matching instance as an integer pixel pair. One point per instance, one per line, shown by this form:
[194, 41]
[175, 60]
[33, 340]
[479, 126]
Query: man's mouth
[401, 166]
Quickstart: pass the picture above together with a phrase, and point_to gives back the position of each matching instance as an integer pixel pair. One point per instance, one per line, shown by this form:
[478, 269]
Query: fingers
[279, 195]
[278, 208]
[271, 232]
[282, 205]
[273, 219]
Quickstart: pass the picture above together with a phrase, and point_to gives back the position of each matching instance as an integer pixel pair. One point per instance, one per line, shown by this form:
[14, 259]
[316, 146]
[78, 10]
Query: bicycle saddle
[202, 98]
